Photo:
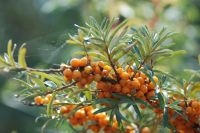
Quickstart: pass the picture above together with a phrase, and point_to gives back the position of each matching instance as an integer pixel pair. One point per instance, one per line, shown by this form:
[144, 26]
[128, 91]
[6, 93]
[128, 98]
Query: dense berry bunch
[108, 81]
[95, 122]
[191, 123]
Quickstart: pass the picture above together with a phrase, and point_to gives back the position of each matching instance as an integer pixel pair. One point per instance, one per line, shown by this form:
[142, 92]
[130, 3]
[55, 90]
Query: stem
[51, 70]
[60, 88]
[112, 64]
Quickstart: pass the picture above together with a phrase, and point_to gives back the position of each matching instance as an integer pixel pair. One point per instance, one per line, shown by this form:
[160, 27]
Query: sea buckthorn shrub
[113, 84]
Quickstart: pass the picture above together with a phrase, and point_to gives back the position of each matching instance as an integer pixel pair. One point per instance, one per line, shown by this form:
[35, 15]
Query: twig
[60, 88]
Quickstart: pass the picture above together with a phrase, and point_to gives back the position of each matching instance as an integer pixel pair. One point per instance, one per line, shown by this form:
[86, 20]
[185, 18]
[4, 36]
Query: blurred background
[44, 26]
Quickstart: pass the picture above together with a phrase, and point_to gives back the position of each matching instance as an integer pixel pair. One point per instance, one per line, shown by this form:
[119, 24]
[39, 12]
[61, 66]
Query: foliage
[113, 84]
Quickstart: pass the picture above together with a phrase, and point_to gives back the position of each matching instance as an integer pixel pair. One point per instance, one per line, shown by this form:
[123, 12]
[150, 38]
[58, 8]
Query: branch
[60, 88]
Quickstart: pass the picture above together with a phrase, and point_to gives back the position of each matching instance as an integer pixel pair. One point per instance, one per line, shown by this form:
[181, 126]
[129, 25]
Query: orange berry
[88, 109]
[117, 88]
[38, 100]
[151, 86]
[79, 114]
[101, 85]
[135, 83]
[88, 69]
[75, 62]
[126, 90]
[80, 85]
[123, 82]
[155, 79]
[101, 64]
[67, 72]
[64, 110]
[195, 104]
[105, 73]
[143, 75]
[97, 69]
[107, 67]
[144, 88]
[49, 96]
[145, 130]
[124, 75]
[189, 110]
[139, 94]
[141, 80]
[119, 70]
[83, 61]
[103, 121]
[46, 100]
[76, 75]
[73, 121]
[150, 94]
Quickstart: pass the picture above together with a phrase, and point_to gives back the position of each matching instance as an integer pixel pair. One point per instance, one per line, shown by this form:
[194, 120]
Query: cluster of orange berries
[90, 121]
[108, 80]
[192, 112]
[39, 100]
[182, 125]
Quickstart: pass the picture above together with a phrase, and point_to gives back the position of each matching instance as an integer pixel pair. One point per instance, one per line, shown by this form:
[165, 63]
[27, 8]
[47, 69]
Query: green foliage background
[44, 26]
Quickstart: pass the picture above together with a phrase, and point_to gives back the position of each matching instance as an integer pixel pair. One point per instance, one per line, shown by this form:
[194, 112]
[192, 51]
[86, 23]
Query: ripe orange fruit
[107, 67]
[135, 83]
[155, 79]
[144, 88]
[83, 61]
[150, 94]
[124, 75]
[76, 75]
[145, 130]
[64, 110]
[141, 80]
[101, 64]
[88, 69]
[67, 73]
[38, 100]
[75, 62]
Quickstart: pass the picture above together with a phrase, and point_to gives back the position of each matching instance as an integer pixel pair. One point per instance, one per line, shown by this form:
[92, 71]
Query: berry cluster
[95, 122]
[187, 124]
[39, 100]
[110, 80]
[192, 112]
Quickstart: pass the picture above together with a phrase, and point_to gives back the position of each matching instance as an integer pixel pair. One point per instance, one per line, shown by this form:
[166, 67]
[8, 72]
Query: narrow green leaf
[165, 118]
[10, 53]
[105, 100]
[137, 110]
[161, 99]
[199, 58]
[24, 83]
[21, 57]
[49, 105]
[47, 76]
[117, 29]
[103, 109]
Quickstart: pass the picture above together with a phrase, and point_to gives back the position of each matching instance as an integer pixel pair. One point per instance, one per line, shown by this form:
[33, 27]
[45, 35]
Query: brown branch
[60, 88]
[51, 70]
